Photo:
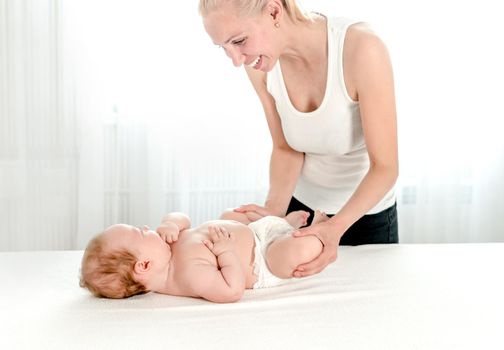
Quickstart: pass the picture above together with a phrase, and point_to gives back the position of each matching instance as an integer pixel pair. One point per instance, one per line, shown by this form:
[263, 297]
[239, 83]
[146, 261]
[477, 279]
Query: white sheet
[448, 296]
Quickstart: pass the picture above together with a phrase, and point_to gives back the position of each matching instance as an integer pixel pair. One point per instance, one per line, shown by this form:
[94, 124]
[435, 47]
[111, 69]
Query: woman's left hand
[328, 234]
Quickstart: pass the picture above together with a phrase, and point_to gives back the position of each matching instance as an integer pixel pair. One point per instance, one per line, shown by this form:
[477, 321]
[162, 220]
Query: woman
[327, 90]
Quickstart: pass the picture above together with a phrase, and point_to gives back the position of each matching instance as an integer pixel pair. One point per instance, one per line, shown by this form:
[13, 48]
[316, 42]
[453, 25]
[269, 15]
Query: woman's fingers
[317, 265]
[246, 207]
[260, 210]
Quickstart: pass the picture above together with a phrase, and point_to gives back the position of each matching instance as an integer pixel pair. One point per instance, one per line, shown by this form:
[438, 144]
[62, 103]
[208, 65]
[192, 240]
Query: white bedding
[442, 296]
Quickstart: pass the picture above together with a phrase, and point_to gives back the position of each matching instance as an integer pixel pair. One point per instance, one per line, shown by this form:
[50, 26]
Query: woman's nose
[236, 56]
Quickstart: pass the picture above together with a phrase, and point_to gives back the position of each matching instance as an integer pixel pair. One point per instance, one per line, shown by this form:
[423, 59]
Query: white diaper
[265, 231]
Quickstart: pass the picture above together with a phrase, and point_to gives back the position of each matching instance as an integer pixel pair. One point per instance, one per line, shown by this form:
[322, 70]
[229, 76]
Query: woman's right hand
[255, 212]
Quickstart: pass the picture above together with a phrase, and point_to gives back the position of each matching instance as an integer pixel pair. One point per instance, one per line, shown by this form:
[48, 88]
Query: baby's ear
[142, 266]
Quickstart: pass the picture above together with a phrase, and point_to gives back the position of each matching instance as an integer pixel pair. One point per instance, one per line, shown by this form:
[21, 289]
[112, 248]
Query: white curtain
[120, 111]
[38, 150]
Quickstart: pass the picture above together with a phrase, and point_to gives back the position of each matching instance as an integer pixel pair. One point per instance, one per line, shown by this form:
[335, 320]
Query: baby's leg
[286, 253]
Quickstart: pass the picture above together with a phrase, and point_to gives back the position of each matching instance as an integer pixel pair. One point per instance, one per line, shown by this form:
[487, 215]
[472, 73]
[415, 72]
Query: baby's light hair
[108, 273]
[251, 7]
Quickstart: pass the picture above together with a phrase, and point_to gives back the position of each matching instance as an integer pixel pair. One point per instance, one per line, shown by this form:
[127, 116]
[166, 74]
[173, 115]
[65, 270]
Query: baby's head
[123, 261]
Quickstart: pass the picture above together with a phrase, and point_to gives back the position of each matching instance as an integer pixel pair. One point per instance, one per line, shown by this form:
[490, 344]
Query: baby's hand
[221, 240]
[168, 231]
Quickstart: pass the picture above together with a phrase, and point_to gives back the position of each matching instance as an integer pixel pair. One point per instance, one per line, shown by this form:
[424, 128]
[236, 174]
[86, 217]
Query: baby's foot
[298, 218]
[319, 216]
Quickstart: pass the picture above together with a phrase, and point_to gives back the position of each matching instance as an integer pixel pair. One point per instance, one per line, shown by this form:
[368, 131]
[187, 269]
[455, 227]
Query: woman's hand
[329, 234]
[254, 212]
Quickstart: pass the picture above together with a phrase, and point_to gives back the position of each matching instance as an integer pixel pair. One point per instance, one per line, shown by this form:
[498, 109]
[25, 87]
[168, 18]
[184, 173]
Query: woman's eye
[239, 42]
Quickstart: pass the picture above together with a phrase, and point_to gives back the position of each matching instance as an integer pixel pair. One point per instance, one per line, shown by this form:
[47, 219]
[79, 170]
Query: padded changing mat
[438, 296]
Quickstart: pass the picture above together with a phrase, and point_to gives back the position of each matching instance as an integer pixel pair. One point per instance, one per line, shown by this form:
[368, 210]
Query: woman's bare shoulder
[362, 40]
[364, 55]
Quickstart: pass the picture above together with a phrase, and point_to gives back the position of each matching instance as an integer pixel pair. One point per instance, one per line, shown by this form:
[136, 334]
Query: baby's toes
[305, 217]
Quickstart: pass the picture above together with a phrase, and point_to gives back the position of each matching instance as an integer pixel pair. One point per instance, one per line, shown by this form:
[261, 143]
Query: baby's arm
[171, 225]
[224, 285]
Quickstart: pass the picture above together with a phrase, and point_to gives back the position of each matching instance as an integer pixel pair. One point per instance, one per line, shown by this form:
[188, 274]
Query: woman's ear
[275, 10]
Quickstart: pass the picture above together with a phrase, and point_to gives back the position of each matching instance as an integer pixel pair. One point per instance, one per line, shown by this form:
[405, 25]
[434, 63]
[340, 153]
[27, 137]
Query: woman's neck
[306, 43]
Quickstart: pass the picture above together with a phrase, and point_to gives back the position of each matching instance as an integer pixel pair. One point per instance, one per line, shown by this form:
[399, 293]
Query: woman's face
[246, 40]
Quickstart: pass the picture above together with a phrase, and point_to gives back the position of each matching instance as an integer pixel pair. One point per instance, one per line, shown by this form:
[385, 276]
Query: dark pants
[369, 229]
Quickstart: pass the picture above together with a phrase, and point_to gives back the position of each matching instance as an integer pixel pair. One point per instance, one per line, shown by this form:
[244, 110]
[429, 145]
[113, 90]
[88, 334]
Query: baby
[216, 261]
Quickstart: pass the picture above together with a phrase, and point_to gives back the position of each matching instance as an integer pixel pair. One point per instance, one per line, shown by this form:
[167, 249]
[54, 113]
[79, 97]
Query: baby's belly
[244, 241]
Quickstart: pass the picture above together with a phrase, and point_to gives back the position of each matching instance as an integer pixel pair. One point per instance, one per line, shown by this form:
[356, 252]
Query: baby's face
[144, 244]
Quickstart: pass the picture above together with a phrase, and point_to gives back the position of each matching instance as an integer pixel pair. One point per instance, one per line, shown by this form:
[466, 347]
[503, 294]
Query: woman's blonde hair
[250, 7]
[109, 273]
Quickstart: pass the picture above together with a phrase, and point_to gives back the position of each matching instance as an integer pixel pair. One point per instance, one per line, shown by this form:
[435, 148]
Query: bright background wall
[112, 111]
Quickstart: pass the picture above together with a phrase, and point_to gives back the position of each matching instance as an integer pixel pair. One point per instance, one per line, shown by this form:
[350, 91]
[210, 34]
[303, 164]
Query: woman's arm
[285, 163]
[369, 79]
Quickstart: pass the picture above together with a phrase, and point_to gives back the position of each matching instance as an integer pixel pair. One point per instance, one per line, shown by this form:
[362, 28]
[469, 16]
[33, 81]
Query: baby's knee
[285, 254]
[305, 249]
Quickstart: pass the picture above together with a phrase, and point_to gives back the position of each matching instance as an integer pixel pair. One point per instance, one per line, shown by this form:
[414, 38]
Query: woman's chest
[334, 129]
[306, 88]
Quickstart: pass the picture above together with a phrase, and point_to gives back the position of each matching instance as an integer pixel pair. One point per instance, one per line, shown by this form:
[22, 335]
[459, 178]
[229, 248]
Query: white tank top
[336, 158]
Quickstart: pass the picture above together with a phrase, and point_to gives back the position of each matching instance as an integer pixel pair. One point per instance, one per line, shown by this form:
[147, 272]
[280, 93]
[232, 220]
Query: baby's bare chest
[190, 249]
[190, 246]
